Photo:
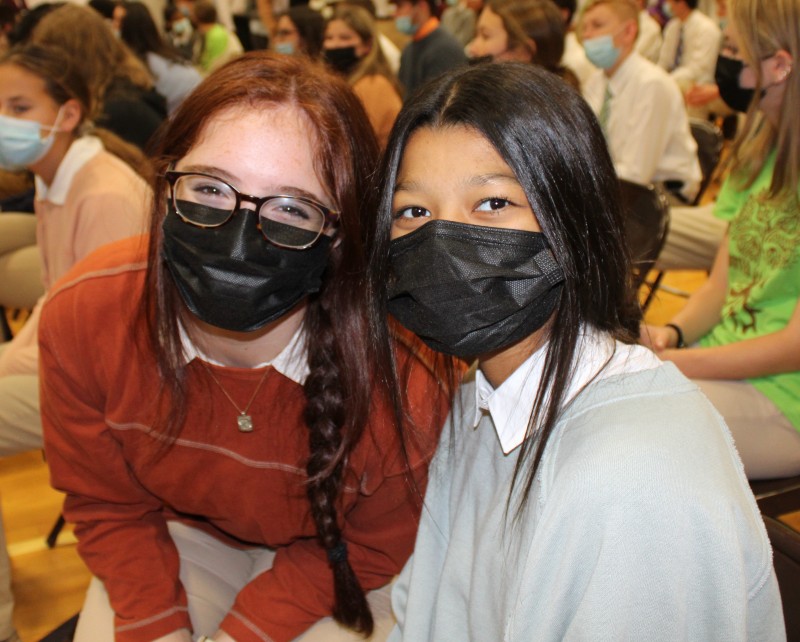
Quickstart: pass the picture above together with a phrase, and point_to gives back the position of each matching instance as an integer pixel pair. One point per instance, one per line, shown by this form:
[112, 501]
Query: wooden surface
[49, 584]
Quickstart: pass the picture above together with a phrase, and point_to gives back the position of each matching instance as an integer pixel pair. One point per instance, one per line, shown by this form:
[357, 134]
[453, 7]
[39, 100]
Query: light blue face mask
[404, 25]
[21, 142]
[601, 51]
[666, 9]
[286, 48]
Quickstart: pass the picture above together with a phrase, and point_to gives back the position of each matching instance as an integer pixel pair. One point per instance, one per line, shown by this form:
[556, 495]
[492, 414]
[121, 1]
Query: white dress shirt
[574, 58]
[701, 40]
[648, 44]
[647, 129]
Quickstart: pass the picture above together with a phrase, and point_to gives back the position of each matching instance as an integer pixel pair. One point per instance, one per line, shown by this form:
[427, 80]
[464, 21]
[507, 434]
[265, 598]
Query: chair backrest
[646, 212]
[709, 148]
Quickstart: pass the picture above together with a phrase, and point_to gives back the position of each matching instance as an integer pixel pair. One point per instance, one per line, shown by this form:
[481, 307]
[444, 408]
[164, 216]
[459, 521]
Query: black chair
[776, 497]
[646, 214]
[786, 559]
[709, 141]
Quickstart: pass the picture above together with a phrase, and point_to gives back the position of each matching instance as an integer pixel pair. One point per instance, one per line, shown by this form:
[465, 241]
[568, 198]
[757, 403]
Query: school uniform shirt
[648, 43]
[647, 129]
[95, 198]
[639, 524]
[574, 59]
[690, 49]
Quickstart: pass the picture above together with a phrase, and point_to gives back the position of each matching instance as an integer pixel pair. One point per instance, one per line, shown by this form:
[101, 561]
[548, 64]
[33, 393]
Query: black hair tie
[338, 553]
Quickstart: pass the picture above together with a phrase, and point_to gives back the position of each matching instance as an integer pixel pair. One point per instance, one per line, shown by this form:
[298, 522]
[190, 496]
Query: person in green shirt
[219, 44]
[743, 324]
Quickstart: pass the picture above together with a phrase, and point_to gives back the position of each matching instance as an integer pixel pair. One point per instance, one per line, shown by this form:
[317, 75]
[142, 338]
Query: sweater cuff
[154, 627]
[243, 629]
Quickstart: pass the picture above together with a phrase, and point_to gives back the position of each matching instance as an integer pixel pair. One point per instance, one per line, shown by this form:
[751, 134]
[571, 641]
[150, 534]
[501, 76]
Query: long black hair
[138, 30]
[550, 138]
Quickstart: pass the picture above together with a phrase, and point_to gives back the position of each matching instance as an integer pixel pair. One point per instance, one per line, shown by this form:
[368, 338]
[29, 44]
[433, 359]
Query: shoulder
[102, 277]
[107, 173]
[652, 429]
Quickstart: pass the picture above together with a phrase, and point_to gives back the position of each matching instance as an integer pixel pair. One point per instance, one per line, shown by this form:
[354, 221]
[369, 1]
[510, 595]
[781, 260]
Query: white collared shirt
[81, 151]
[647, 129]
[597, 357]
[700, 39]
[291, 362]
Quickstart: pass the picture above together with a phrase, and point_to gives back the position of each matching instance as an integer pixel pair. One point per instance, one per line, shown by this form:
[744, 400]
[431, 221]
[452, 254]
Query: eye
[412, 212]
[492, 204]
[20, 109]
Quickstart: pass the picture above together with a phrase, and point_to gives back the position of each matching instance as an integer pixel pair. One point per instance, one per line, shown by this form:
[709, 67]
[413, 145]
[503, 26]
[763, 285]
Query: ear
[629, 32]
[71, 116]
[778, 67]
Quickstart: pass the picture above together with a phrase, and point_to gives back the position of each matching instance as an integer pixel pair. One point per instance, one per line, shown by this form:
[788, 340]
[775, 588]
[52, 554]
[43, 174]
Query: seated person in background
[85, 198]
[432, 50]
[743, 325]
[175, 78]
[648, 44]
[460, 17]
[351, 48]
[639, 106]
[574, 57]
[118, 81]
[220, 44]
[525, 31]
[299, 32]
[582, 489]
[691, 44]
[234, 462]
[180, 31]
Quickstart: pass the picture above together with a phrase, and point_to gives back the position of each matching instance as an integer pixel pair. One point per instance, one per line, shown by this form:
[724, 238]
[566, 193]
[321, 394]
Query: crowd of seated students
[644, 68]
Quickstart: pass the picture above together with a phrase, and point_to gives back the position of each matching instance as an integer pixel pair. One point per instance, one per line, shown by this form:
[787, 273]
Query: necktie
[679, 50]
[606, 108]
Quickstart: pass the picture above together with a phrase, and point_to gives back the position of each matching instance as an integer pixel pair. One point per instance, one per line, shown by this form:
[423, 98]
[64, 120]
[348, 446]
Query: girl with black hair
[582, 489]
[219, 404]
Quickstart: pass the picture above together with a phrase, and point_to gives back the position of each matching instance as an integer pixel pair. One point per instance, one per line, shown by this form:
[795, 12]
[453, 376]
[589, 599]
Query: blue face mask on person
[286, 48]
[404, 25]
[601, 51]
[21, 141]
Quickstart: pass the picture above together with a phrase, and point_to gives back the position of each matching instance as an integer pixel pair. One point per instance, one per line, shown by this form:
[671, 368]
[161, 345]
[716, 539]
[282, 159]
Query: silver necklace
[244, 421]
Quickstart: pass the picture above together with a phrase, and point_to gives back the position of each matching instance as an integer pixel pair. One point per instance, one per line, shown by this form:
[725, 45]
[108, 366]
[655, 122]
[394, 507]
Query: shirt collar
[426, 28]
[597, 356]
[81, 151]
[292, 362]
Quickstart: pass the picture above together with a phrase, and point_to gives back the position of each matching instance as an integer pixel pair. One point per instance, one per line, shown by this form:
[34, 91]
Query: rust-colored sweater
[99, 391]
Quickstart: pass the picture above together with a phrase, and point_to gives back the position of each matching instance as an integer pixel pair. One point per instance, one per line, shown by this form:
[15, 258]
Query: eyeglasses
[287, 221]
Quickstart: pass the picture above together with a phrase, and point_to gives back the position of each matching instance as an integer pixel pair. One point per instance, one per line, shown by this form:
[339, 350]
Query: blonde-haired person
[640, 107]
[525, 31]
[743, 326]
[121, 84]
[350, 47]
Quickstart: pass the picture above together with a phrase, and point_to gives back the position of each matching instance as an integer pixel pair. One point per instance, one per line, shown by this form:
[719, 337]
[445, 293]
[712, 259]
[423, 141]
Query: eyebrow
[287, 190]
[474, 181]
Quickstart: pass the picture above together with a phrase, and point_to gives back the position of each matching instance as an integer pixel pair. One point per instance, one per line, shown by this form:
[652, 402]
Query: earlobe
[525, 52]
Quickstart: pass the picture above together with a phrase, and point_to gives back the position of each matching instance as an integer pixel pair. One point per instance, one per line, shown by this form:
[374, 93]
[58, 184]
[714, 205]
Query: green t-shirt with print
[216, 43]
[763, 276]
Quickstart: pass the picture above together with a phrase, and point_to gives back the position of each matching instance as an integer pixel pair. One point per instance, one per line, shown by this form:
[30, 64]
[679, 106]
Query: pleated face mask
[468, 289]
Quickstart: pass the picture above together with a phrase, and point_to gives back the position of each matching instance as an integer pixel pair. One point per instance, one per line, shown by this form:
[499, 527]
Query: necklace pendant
[245, 423]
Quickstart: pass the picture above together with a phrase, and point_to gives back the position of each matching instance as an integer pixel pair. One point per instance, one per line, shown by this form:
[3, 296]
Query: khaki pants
[212, 574]
[768, 443]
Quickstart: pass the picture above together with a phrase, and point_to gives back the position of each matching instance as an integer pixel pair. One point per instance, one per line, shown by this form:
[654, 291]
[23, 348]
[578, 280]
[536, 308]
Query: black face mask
[342, 59]
[467, 290]
[232, 277]
[726, 76]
